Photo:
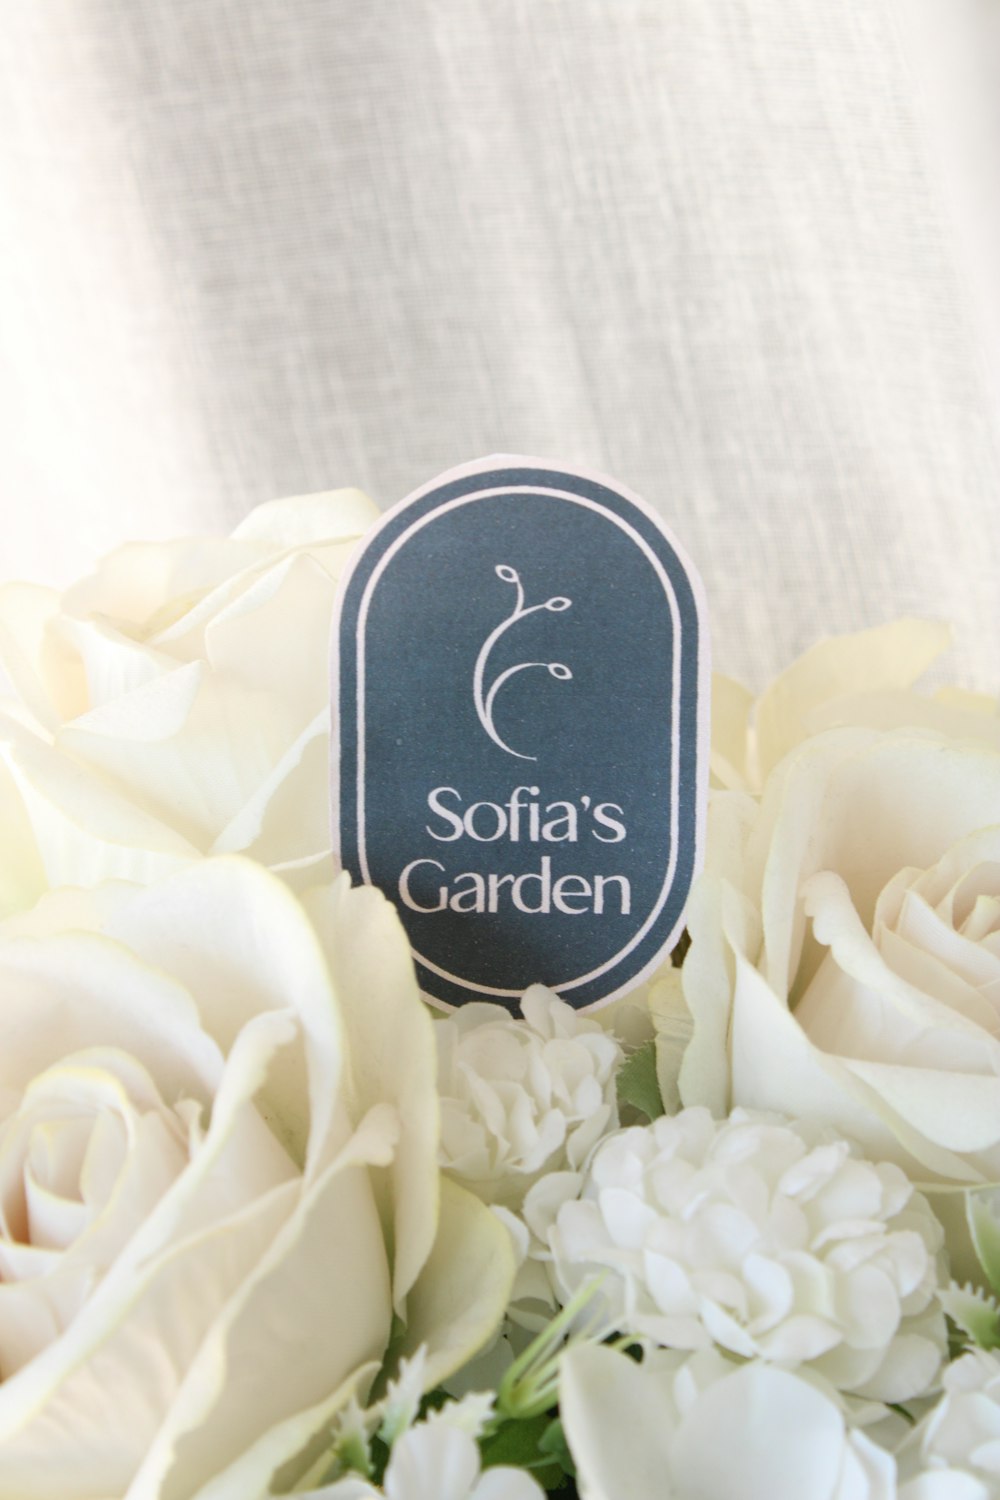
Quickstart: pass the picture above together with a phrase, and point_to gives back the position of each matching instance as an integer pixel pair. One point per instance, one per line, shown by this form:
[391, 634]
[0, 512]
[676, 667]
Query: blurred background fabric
[743, 255]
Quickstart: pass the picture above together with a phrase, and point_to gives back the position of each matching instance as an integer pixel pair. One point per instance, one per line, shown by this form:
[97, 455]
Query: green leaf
[434, 1400]
[985, 1229]
[974, 1312]
[516, 1443]
[519, 1445]
[553, 1441]
[637, 1083]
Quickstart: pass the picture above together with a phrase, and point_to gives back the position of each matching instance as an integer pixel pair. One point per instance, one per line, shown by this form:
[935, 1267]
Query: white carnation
[520, 1098]
[768, 1239]
[954, 1453]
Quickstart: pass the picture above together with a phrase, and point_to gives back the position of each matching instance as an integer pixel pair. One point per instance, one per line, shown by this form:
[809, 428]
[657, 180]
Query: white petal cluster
[520, 1098]
[954, 1453]
[768, 1239]
[437, 1459]
[701, 1427]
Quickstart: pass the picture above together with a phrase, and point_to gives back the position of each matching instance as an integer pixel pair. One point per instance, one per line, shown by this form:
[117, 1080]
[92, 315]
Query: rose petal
[285, 1314]
[391, 1044]
[871, 661]
[270, 955]
[69, 991]
[285, 1441]
[22, 875]
[863, 806]
[85, 830]
[730, 718]
[276, 829]
[191, 746]
[26, 611]
[775, 1067]
[113, 664]
[298, 520]
[463, 1289]
[959, 1111]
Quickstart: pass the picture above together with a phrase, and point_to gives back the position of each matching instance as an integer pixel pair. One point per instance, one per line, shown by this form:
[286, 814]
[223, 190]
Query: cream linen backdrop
[740, 254]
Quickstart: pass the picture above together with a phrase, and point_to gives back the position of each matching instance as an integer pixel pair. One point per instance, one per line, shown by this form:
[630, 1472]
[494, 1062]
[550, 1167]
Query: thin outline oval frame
[491, 466]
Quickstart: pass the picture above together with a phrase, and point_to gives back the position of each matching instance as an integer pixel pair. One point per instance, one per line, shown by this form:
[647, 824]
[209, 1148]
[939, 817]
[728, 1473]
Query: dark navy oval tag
[520, 730]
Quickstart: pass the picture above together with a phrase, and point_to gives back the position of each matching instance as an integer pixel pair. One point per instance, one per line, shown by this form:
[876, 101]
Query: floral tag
[520, 730]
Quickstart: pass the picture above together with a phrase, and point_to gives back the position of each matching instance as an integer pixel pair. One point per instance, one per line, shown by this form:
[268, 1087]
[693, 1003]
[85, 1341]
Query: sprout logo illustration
[485, 700]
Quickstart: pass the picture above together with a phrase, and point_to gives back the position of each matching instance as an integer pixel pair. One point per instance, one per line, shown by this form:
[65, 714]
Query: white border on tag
[487, 466]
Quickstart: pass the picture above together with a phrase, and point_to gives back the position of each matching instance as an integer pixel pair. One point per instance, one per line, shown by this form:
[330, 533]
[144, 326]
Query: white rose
[181, 701]
[699, 1427]
[760, 1236]
[218, 1180]
[521, 1098]
[845, 958]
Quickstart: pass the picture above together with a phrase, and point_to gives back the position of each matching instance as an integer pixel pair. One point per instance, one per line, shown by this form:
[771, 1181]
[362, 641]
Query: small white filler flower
[954, 1453]
[522, 1098]
[438, 1459]
[769, 1239]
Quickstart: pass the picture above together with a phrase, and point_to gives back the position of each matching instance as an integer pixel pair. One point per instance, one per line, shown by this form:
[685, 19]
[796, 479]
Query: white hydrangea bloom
[520, 1098]
[438, 1459]
[701, 1427]
[954, 1453]
[766, 1238]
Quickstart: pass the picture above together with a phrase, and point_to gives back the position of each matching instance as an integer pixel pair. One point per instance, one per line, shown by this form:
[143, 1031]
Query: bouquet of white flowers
[268, 1225]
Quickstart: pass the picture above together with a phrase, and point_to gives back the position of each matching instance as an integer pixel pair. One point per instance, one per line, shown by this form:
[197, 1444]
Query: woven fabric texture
[739, 255]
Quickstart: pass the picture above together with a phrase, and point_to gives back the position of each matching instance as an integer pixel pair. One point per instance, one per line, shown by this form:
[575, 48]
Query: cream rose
[218, 1182]
[845, 962]
[175, 704]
